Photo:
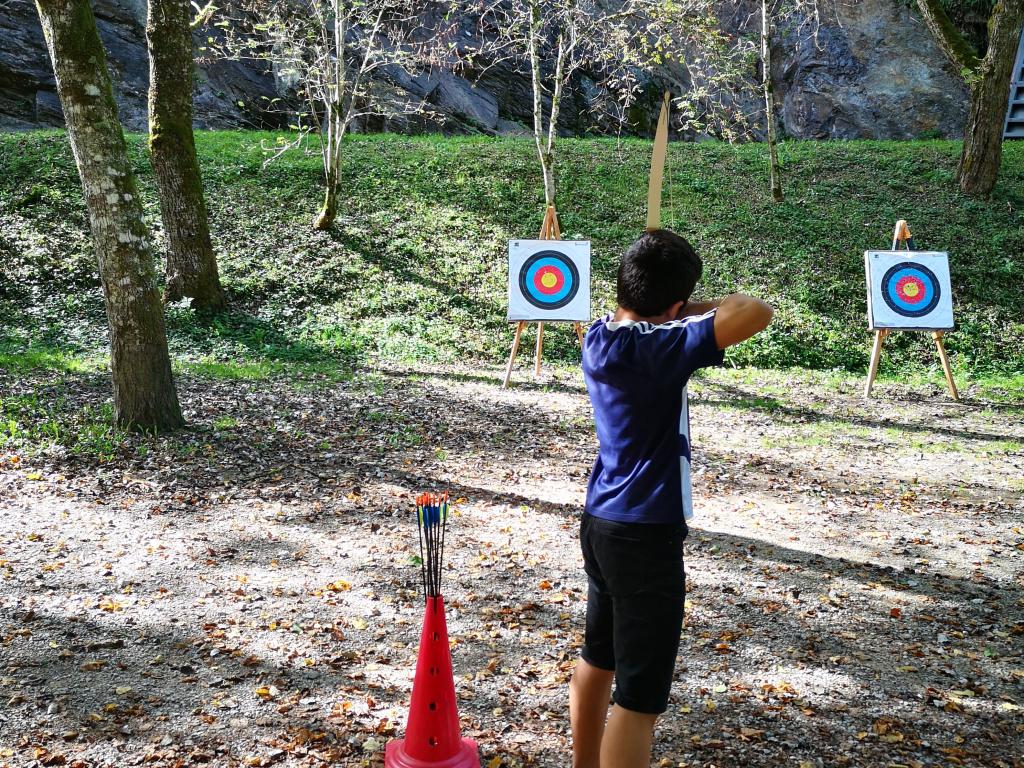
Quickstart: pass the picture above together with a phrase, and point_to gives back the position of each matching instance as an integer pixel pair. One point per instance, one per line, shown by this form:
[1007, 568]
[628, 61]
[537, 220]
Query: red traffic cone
[432, 736]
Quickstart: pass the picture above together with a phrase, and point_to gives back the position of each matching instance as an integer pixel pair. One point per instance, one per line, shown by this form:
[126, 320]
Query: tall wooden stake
[512, 356]
[540, 348]
[876, 356]
[937, 335]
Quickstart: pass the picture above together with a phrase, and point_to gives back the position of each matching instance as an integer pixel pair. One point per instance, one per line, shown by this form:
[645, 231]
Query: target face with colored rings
[910, 289]
[549, 280]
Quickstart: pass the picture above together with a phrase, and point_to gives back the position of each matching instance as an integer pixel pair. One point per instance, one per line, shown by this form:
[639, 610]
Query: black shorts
[634, 607]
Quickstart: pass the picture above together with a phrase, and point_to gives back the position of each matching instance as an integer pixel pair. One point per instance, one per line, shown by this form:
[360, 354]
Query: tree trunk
[990, 91]
[191, 264]
[144, 393]
[329, 210]
[545, 149]
[548, 171]
[769, 105]
[332, 167]
[548, 156]
[989, 80]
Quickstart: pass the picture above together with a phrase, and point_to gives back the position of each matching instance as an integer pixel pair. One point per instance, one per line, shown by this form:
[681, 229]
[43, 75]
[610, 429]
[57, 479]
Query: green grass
[415, 268]
[31, 423]
[1006, 390]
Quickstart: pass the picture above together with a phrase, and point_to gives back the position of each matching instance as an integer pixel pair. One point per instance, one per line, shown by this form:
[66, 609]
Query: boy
[636, 365]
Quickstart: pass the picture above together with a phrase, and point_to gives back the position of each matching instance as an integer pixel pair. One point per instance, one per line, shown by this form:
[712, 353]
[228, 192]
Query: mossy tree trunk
[989, 80]
[191, 264]
[144, 392]
[990, 92]
[328, 212]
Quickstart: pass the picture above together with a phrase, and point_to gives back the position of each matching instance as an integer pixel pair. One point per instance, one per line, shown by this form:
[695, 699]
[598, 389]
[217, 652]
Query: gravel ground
[242, 592]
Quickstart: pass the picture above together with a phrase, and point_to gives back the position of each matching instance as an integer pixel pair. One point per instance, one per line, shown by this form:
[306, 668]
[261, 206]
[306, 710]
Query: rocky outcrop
[871, 71]
[225, 90]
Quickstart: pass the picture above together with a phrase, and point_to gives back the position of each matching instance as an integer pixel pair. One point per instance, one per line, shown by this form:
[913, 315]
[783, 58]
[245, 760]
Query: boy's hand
[738, 318]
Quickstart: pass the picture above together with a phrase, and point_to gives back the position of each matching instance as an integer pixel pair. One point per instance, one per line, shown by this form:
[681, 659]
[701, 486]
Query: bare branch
[203, 14]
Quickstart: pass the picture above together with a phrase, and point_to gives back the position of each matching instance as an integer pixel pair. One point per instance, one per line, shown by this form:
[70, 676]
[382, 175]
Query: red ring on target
[548, 280]
[910, 289]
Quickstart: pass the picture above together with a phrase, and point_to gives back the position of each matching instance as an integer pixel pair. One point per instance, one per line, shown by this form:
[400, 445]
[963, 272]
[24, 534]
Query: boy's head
[658, 270]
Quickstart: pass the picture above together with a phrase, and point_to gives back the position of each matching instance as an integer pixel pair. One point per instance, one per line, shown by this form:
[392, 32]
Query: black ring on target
[565, 275]
[922, 278]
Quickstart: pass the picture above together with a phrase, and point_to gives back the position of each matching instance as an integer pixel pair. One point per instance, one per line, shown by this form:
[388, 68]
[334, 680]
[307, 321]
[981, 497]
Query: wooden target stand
[902, 235]
[549, 230]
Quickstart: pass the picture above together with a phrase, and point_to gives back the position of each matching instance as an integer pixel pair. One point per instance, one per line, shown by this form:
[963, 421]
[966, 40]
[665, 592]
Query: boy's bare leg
[589, 691]
[627, 739]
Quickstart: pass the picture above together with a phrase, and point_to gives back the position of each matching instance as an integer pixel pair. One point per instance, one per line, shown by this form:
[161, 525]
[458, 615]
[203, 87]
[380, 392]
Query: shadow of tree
[306, 490]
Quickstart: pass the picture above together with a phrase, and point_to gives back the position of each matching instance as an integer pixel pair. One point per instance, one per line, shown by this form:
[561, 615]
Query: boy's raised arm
[739, 317]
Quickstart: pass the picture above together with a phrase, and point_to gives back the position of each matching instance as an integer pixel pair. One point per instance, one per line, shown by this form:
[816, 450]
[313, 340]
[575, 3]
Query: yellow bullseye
[911, 290]
[548, 279]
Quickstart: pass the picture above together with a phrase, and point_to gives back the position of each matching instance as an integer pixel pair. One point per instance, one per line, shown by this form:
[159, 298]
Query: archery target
[909, 289]
[548, 280]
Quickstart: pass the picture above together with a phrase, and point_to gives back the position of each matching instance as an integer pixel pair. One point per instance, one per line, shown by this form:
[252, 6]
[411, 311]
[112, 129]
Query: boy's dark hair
[656, 271]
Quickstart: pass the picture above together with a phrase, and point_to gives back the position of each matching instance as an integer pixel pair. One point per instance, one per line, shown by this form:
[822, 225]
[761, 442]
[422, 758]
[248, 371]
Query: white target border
[520, 308]
[881, 315]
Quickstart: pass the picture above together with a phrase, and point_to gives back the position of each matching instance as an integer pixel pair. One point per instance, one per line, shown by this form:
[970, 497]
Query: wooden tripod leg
[546, 225]
[876, 356]
[579, 332]
[512, 357]
[540, 348]
[937, 335]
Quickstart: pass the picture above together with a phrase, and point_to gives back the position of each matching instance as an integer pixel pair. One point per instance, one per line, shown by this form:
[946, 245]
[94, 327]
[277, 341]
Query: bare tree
[622, 46]
[775, 171]
[988, 77]
[338, 55]
[191, 264]
[144, 392]
[803, 18]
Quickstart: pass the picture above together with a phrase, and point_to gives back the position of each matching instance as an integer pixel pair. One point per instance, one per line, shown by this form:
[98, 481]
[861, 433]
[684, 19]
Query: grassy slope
[416, 264]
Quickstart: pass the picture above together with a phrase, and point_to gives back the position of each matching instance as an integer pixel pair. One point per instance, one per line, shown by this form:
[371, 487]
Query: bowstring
[668, 168]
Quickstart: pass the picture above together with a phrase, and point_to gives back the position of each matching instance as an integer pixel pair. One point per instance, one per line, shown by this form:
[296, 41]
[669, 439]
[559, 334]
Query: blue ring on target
[562, 267]
[894, 290]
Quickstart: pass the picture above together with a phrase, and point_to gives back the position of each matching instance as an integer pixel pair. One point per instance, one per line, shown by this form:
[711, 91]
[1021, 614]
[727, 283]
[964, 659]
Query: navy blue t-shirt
[636, 374]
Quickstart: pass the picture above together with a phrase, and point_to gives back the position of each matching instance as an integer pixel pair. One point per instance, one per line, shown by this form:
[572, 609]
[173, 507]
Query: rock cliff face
[871, 71]
[28, 94]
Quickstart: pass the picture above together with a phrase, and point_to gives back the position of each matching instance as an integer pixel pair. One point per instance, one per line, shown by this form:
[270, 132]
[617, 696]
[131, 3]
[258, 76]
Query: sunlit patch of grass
[35, 359]
[299, 375]
[840, 433]
[404, 437]
[1001, 389]
[225, 423]
[803, 441]
[50, 359]
[245, 370]
[767, 404]
[30, 424]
